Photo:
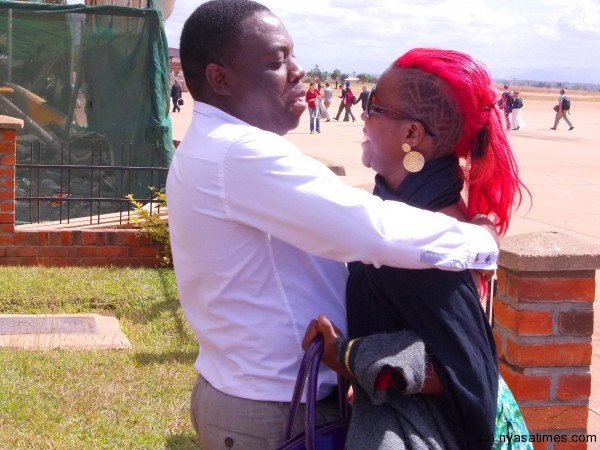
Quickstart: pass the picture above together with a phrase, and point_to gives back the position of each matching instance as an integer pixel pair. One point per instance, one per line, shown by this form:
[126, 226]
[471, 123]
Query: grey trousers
[222, 421]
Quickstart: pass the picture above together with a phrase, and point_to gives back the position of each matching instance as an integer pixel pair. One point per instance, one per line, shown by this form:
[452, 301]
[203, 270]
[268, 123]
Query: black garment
[441, 307]
[175, 96]
[362, 98]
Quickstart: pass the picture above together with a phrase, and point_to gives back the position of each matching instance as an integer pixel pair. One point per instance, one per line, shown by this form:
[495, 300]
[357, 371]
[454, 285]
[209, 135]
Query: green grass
[109, 399]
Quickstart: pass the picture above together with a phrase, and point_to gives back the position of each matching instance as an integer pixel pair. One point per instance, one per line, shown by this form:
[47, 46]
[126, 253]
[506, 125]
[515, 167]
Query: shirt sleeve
[270, 185]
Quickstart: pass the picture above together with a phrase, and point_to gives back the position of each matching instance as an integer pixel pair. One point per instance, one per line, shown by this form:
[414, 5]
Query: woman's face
[383, 135]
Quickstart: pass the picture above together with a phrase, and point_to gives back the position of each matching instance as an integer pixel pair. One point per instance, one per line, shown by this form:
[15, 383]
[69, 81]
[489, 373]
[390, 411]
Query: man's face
[265, 80]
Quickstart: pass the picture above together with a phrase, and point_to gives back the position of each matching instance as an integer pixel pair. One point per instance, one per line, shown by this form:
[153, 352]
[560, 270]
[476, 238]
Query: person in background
[175, 96]
[517, 105]
[260, 232]
[362, 98]
[429, 110]
[505, 104]
[342, 104]
[348, 101]
[313, 109]
[327, 96]
[562, 109]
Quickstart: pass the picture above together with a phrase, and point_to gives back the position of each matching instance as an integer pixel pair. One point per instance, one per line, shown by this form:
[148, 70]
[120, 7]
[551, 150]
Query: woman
[311, 99]
[348, 100]
[432, 131]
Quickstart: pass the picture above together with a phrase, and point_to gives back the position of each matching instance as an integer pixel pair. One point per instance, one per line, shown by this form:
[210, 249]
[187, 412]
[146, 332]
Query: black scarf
[436, 186]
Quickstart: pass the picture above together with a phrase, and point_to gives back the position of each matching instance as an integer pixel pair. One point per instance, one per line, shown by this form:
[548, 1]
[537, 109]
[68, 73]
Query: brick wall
[543, 325]
[52, 246]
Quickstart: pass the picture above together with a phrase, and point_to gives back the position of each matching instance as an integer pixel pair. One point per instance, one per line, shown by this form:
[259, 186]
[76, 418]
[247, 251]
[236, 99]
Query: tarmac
[561, 168]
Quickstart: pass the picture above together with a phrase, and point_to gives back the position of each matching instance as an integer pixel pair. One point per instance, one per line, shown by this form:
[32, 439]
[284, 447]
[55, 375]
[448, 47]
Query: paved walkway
[561, 168]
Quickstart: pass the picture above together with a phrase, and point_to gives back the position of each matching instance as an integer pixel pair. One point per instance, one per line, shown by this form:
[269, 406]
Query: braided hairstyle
[467, 123]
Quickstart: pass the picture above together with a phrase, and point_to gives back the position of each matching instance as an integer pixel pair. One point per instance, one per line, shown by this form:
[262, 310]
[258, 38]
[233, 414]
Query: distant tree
[343, 76]
[315, 74]
[335, 75]
[366, 78]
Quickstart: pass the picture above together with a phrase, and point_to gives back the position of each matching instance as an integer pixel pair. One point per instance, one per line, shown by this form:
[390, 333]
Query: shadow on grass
[182, 442]
[167, 357]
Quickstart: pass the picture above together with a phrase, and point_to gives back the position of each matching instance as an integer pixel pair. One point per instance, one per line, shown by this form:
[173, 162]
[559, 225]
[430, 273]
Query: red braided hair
[491, 173]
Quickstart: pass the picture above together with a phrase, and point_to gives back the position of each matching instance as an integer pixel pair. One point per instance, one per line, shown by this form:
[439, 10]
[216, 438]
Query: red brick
[7, 172]
[54, 237]
[540, 446]
[576, 323]
[116, 237]
[21, 238]
[65, 238]
[8, 159]
[571, 445]
[526, 387]
[499, 338]
[7, 239]
[549, 354]
[76, 237]
[89, 238]
[7, 206]
[59, 262]
[9, 135]
[42, 238]
[574, 387]
[7, 182]
[7, 228]
[100, 237]
[7, 194]
[85, 252]
[551, 289]
[112, 251]
[52, 251]
[7, 148]
[7, 217]
[501, 280]
[555, 417]
[20, 251]
[143, 251]
[523, 322]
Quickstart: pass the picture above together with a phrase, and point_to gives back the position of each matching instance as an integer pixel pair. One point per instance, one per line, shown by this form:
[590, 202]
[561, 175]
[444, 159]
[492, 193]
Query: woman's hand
[330, 333]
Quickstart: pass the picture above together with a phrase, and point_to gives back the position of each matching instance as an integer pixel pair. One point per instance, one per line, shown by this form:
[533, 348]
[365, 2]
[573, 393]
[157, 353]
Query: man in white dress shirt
[260, 232]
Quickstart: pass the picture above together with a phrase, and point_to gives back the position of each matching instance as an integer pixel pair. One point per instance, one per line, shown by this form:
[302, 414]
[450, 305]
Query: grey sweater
[396, 418]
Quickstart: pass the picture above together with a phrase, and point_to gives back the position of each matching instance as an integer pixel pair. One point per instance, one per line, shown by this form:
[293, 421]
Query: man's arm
[300, 201]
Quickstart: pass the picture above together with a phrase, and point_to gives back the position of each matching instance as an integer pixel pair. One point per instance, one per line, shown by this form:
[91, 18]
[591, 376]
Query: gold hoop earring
[413, 161]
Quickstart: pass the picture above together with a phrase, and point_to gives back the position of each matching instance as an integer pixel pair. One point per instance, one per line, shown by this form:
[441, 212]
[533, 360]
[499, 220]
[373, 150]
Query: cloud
[512, 37]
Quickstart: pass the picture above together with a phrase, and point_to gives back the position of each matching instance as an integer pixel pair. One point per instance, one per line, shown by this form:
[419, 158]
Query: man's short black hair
[210, 35]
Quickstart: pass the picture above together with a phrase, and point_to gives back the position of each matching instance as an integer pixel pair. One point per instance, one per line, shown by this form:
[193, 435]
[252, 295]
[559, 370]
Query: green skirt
[511, 431]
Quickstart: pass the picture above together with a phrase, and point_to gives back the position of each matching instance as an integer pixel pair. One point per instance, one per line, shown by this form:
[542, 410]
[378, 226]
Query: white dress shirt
[260, 234]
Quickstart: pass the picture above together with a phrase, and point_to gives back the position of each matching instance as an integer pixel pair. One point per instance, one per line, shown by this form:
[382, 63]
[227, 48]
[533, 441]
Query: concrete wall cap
[10, 123]
[547, 252]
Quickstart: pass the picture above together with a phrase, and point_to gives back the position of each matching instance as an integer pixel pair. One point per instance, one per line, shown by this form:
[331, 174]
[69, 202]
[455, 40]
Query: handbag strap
[309, 369]
[311, 353]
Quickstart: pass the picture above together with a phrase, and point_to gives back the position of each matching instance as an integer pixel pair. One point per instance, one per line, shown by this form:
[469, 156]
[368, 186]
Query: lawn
[109, 399]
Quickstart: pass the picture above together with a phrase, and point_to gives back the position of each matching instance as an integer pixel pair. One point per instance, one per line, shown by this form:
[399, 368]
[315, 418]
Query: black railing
[54, 186]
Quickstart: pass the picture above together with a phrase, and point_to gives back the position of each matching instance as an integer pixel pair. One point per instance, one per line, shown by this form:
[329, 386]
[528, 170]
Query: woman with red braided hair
[420, 351]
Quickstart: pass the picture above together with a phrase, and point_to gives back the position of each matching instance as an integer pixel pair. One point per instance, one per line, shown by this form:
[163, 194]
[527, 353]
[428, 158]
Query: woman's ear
[415, 134]
[217, 78]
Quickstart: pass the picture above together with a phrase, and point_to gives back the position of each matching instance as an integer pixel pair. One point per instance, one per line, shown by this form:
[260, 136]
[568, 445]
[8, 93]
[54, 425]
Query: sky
[543, 40]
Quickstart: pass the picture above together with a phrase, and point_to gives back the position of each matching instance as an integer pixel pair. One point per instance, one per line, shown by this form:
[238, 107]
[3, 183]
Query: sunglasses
[397, 115]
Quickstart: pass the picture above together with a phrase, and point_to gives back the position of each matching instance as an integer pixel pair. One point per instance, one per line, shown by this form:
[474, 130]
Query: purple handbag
[331, 436]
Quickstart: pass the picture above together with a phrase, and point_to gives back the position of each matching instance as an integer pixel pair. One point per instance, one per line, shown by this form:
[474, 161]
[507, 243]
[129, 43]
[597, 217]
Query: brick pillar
[8, 154]
[543, 324]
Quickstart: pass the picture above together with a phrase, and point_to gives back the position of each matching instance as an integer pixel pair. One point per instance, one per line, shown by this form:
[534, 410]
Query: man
[175, 96]
[562, 109]
[342, 106]
[362, 98]
[260, 232]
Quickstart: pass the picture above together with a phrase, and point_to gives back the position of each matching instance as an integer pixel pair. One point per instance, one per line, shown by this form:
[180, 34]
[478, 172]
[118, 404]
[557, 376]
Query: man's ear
[217, 77]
